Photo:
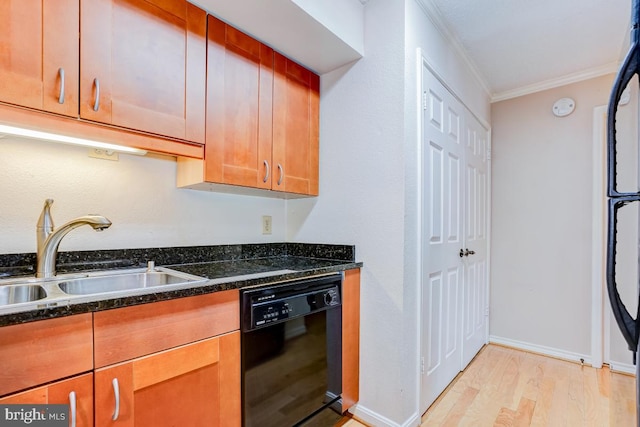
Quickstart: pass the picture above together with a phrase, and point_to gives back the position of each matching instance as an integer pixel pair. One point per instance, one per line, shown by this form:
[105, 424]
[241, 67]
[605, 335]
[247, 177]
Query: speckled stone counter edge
[305, 259]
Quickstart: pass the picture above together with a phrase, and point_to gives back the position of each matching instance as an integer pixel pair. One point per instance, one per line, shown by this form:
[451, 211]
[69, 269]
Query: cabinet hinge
[424, 100]
[422, 365]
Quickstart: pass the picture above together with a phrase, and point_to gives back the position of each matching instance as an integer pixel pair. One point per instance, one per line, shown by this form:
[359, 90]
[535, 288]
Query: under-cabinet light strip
[28, 133]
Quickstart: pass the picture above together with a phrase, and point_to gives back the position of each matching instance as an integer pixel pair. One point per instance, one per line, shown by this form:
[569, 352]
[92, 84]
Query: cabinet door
[143, 66]
[39, 54]
[296, 113]
[77, 392]
[193, 385]
[239, 119]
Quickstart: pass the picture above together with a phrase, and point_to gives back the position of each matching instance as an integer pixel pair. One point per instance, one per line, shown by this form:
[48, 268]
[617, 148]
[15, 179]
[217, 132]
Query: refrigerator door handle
[626, 322]
[630, 67]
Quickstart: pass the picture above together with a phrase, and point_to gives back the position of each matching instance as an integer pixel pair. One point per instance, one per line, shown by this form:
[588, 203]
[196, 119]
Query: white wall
[361, 198]
[541, 225]
[342, 17]
[138, 194]
[368, 131]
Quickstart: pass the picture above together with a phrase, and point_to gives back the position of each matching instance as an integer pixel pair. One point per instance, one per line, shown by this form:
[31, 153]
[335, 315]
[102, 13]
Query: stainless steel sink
[15, 294]
[124, 282]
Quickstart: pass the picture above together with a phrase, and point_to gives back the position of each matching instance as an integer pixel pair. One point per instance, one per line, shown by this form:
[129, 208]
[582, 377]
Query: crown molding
[434, 14]
[556, 82]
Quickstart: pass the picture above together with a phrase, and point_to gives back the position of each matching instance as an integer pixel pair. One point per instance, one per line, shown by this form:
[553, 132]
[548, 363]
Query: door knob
[466, 252]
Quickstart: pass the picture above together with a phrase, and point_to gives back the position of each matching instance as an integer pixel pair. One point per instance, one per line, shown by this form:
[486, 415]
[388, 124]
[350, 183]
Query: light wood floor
[507, 387]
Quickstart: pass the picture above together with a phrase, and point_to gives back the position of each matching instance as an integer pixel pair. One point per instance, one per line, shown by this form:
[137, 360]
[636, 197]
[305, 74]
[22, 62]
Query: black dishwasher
[292, 353]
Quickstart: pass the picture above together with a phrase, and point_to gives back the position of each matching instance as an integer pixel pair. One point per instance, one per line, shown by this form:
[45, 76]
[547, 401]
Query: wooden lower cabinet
[197, 384]
[77, 392]
[36, 353]
[170, 363]
[350, 338]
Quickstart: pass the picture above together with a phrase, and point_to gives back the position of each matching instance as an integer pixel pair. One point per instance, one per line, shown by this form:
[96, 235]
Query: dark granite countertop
[227, 267]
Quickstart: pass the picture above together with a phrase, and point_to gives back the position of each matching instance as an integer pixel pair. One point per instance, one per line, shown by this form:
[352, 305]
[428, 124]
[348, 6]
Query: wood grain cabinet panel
[39, 54]
[125, 333]
[143, 66]
[76, 392]
[35, 353]
[239, 86]
[193, 385]
[350, 338]
[296, 106]
[262, 119]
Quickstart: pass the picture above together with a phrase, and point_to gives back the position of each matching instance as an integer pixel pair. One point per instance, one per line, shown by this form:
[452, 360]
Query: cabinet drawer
[130, 332]
[38, 352]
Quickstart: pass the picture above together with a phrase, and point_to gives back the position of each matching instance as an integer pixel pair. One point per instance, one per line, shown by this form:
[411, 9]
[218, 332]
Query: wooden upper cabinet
[239, 87]
[296, 113]
[143, 66]
[39, 54]
[263, 114]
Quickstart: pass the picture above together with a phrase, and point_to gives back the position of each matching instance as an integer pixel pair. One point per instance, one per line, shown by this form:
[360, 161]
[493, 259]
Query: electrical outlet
[98, 153]
[266, 224]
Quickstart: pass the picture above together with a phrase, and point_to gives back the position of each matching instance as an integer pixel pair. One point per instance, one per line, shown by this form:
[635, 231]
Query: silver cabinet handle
[266, 175]
[72, 405]
[116, 393]
[61, 95]
[281, 170]
[96, 102]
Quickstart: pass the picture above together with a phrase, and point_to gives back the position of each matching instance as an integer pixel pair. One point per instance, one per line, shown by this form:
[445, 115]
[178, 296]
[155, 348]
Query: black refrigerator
[618, 198]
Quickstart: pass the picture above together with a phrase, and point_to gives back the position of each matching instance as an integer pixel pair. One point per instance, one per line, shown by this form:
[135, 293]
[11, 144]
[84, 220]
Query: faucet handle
[151, 266]
[44, 227]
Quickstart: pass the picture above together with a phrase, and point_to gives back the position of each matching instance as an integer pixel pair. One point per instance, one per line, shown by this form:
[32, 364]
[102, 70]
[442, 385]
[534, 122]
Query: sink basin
[15, 294]
[123, 282]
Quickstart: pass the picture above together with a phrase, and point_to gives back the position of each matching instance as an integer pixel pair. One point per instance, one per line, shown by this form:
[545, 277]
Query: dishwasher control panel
[269, 305]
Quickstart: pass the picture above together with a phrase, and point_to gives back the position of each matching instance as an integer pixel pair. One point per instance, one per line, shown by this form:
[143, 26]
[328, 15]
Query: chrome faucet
[49, 240]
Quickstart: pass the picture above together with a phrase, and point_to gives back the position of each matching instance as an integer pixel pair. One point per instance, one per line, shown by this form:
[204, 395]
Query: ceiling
[520, 46]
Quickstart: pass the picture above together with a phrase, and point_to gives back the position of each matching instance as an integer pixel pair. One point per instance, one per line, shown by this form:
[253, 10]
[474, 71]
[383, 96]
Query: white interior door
[454, 196]
[476, 242]
[442, 237]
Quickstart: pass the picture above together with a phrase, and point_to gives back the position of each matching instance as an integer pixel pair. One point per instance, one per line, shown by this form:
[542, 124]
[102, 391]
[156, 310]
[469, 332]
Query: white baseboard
[625, 368]
[373, 418]
[541, 349]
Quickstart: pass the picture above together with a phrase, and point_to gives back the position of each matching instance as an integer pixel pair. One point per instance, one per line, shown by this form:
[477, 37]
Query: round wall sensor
[564, 107]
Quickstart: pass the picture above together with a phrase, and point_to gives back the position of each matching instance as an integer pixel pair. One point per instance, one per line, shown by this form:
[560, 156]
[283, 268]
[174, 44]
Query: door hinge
[486, 311]
[424, 100]
[422, 365]
[488, 154]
